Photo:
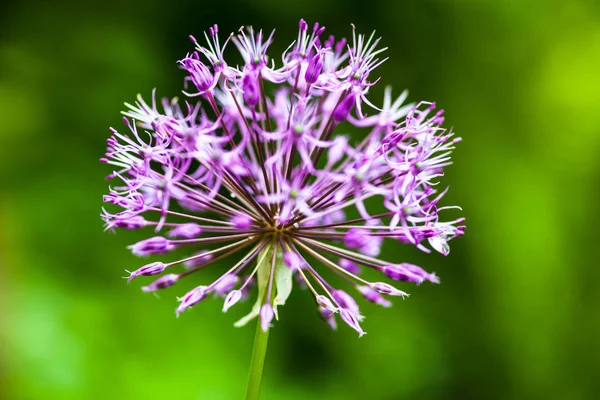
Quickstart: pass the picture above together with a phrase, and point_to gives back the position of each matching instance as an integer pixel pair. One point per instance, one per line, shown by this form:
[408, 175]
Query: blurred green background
[517, 313]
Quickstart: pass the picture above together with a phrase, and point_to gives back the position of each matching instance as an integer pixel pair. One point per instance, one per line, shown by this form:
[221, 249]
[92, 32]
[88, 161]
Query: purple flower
[262, 179]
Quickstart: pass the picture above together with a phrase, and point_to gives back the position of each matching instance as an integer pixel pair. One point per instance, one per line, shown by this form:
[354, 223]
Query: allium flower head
[256, 167]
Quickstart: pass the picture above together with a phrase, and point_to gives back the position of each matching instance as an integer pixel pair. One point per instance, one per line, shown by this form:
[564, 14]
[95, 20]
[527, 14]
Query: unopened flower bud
[163, 282]
[356, 238]
[292, 260]
[384, 288]
[134, 222]
[346, 302]
[266, 316]
[349, 266]
[200, 74]
[374, 297]
[250, 89]
[192, 298]
[225, 284]
[232, 298]
[154, 268]
[408, 273]
[351, 320]
[198, 259]
[187, 231]
[154, 245]
[328, 317]
[324, 302]
[241, 221]
[314, 68]
[341, 112]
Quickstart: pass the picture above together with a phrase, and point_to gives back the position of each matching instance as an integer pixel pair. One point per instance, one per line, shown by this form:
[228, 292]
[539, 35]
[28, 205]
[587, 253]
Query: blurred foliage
[517, 314]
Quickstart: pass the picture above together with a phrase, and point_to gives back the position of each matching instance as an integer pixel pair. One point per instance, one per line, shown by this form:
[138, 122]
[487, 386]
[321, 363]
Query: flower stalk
[264, 272]
[257, 363]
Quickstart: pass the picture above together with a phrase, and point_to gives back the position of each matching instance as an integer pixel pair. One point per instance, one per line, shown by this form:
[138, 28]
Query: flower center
[298, 129]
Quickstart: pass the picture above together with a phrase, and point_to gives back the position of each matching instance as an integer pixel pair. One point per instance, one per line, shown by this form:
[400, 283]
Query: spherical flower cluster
[256, 168]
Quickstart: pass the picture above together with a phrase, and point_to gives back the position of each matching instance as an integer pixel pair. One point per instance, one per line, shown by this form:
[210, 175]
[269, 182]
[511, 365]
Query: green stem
[257, 363]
